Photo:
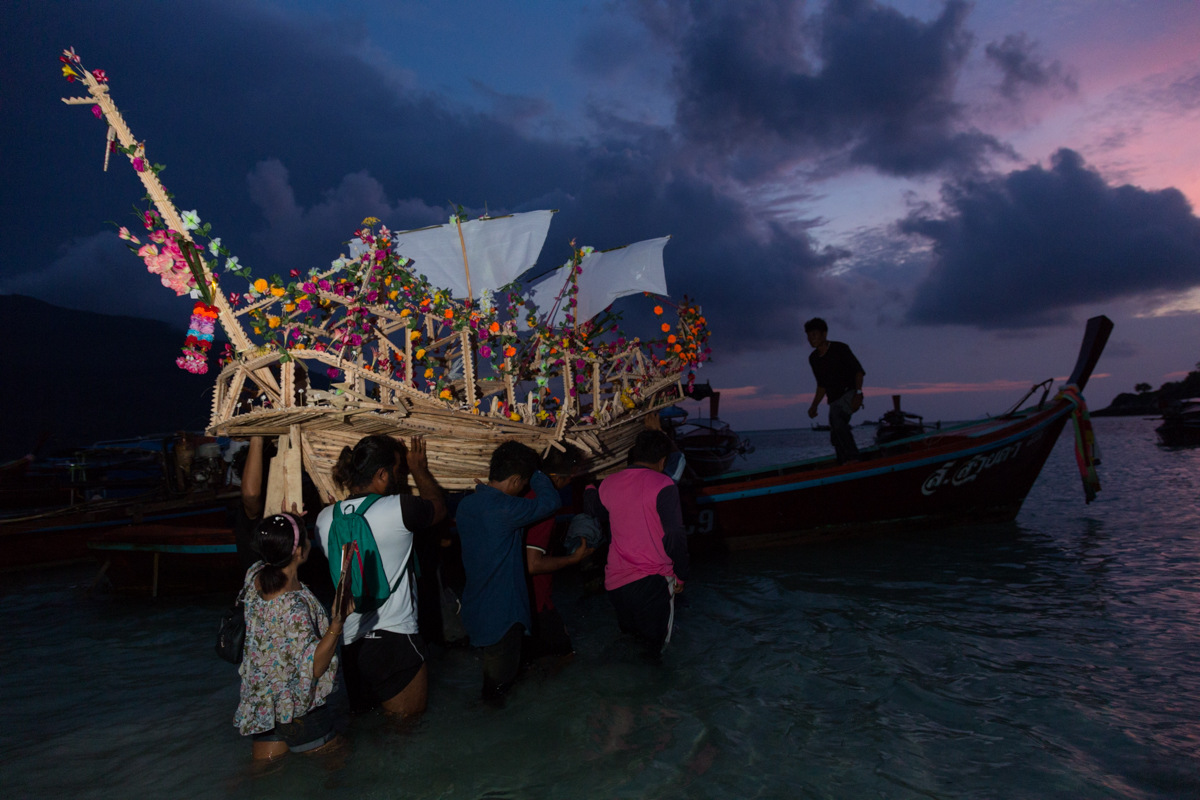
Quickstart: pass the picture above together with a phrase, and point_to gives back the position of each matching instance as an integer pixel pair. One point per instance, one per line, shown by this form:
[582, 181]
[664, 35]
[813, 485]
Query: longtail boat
[976, 472]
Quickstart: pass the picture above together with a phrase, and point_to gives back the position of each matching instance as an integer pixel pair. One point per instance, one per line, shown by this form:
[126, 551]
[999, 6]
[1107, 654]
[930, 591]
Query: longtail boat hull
[979, 472]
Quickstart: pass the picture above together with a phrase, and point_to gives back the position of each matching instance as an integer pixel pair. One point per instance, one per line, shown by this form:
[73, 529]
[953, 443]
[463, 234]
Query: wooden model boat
[422, 333]
[970, 473]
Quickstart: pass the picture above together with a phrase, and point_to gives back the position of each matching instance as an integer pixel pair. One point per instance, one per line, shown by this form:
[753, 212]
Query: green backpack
[368, 584]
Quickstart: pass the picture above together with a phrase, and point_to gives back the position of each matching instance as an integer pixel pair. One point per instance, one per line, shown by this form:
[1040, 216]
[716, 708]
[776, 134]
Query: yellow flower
[404, 312]
[289, 307]
[260, 285]
[371, 221]
[416, 336]
[278, 291]
[388, 280]
[392, 294]
[445, 395]
[421, 352]
[273, 322]
[429, 372]
[298, 346]
[515, 416]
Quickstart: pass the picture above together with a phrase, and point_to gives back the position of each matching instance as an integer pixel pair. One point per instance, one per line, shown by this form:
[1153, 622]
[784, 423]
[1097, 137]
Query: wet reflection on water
[1049, 658]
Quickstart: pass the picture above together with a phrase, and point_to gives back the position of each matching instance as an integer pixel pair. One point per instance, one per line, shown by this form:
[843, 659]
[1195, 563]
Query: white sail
[498, 250]
[606, 276]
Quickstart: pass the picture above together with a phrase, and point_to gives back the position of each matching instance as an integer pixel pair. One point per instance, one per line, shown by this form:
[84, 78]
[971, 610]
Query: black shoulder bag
[231, 636]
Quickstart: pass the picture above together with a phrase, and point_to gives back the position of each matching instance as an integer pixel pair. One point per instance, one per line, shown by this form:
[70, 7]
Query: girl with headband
[289, 661]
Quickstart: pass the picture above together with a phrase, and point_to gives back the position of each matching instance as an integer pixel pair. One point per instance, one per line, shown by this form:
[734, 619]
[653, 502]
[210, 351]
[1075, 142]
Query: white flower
[485, 301]
[338, 263]
[231, 264]
[191, 220]
[214, 246]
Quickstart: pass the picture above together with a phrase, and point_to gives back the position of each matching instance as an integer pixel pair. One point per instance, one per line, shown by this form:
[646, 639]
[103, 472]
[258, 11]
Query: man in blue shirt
[491, 523]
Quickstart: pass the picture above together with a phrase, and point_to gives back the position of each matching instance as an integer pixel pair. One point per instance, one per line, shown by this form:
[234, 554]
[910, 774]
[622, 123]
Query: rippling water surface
[1053, 657]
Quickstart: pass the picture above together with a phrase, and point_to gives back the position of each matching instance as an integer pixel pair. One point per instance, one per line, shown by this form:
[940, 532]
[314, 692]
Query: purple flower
[372, 296]
[333, 373]
[580, 364]
[139, 164]
[309, 287]
[324, 284]
[304, 305]
[485, 351]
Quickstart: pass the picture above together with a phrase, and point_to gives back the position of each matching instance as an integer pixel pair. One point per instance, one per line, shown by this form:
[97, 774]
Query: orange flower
[666, 327]
[671, 339]
[449, 313]
[678, 348]
[510, 351]
[494, 327]
[658, 309]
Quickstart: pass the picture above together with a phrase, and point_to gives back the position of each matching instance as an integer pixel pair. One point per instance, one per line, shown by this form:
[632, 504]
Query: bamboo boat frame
[265, 390]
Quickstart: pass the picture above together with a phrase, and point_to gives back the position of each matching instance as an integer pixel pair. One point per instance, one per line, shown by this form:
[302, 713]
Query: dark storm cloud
[1023, 71]
[283, 137]
[858, 79]
[1022, 249]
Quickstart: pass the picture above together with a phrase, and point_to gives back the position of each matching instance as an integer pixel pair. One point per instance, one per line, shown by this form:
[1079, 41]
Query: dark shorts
[381, 665]
[307, 732]
[646, 610]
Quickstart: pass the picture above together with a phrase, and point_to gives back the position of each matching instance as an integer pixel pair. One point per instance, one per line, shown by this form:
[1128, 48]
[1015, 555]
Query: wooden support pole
[468, 363]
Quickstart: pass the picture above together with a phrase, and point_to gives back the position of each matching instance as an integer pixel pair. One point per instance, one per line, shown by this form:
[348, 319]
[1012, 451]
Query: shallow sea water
[1052, 657]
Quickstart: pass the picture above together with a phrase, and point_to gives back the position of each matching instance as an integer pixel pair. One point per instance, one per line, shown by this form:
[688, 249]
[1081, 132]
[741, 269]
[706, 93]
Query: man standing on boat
[840, 379]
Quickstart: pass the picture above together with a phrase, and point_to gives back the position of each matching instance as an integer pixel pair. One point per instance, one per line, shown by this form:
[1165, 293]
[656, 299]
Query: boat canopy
[607, 275]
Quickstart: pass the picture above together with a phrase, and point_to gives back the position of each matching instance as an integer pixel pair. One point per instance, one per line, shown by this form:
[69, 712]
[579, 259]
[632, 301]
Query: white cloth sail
[606, 276]
[498, 250]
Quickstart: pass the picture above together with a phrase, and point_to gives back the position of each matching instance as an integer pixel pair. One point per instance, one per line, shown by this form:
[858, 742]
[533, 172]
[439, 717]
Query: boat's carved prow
[1094, 339]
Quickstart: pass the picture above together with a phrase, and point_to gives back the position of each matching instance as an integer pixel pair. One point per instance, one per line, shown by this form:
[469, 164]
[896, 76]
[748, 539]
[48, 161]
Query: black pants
[839, 428]
[502, 662]
[550, 637]
[645, 610]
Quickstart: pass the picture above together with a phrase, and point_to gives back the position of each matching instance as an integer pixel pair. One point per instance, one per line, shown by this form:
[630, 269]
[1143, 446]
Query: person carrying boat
[648, 556]
[384, 656]
[550, 637]
[289, 661]
[491, 525]
[839, 379]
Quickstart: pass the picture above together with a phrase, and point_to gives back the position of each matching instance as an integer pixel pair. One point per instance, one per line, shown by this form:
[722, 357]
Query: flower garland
[199, 339]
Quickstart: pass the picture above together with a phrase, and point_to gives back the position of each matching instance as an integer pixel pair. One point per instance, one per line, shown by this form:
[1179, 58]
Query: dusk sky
[955, 187]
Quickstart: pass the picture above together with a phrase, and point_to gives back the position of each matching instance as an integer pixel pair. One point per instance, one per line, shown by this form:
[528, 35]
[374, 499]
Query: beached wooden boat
[411, 330]
[61, 536]
[976, 472]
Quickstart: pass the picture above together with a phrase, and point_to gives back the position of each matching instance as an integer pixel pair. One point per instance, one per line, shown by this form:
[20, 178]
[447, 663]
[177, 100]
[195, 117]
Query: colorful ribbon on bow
[1086, 454]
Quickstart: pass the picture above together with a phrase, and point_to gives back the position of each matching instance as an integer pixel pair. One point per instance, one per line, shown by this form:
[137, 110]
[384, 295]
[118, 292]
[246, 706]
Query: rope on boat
[1086, 454]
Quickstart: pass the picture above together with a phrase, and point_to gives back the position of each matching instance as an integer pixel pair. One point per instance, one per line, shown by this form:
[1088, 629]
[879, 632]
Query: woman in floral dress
[289, 662]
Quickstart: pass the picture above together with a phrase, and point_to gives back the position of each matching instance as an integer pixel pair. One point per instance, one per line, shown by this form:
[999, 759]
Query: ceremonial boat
[976, 472]
[422, 332]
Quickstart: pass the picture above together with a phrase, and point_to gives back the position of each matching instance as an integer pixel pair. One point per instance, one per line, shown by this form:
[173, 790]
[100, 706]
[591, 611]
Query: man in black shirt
[839, 378]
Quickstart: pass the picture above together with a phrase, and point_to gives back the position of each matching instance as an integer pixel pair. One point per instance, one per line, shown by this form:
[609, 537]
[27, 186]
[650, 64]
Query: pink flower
[372, 296]
[333, 373]
[124, 234]
[324, 284]
[309, 287]
[149, 217]
[485, 351]
[304, 305]
[158, 236]
[100, 75]
[139, 164]
[147, 250]
[96, 112]
[295, 273]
